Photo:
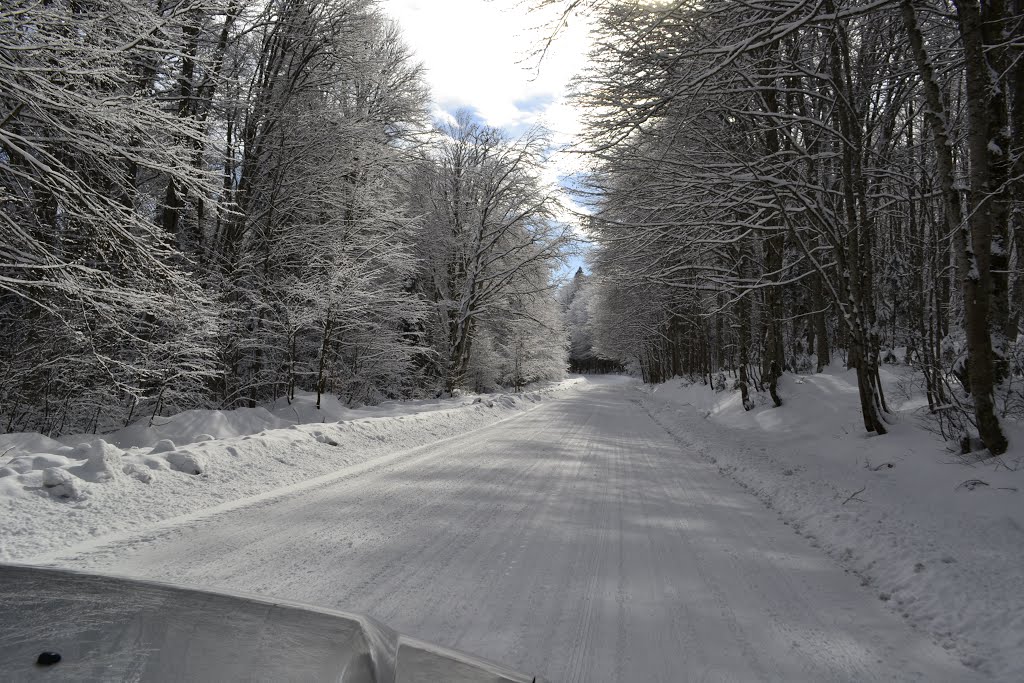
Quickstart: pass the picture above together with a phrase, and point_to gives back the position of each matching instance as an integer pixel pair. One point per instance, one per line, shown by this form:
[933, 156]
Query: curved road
[576, 541]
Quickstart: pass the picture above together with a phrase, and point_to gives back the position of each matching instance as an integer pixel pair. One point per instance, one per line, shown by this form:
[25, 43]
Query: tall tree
[489, 235]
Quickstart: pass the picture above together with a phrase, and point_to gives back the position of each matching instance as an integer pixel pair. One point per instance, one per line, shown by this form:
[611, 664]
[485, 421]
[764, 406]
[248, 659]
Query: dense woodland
[211, 203]
[784, 185]
[214, 203]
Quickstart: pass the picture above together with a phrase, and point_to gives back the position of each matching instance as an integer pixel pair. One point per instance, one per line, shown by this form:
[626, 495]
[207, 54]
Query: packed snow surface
[580, 540]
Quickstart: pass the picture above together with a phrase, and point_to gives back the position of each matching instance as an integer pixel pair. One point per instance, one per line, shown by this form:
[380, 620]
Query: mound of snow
[102, 461]
[187, 462]
[24, 464]
[325, 438]
[193, 426]
[153, 462]
[60, 483]
[20, 443]
[163, 446]
[140, 472]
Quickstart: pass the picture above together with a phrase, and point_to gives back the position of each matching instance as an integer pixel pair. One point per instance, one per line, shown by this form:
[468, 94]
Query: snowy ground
[54, 494]
[948, 557]
[578, 540]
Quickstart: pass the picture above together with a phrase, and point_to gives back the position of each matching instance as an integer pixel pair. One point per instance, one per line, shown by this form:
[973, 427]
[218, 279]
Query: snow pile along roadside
[939, 540]
[54, 494]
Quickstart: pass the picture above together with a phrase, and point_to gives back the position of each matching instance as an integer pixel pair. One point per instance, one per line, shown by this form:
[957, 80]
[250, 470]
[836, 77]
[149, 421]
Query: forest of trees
[214, 203]
[788, 184]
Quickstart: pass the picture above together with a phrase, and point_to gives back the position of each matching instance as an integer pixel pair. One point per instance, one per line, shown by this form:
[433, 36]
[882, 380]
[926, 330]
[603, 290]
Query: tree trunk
[855, 267]
[819, 326]
[978, 281]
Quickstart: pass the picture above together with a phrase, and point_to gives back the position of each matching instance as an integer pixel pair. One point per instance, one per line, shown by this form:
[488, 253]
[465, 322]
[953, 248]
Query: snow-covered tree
[99, 311]
[201, 204]
[488, 242]
[312, 259]
[778, 178]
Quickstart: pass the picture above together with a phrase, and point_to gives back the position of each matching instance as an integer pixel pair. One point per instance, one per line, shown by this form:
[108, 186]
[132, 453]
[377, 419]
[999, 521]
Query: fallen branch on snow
[853, 496]
[972, 484]
[876, 468]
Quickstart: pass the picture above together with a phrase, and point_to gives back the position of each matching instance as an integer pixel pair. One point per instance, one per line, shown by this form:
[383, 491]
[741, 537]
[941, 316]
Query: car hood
[113, 628]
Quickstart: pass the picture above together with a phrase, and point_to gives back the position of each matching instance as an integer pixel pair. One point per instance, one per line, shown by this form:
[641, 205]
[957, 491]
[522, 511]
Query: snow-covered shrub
[803, 362]
[482, 373]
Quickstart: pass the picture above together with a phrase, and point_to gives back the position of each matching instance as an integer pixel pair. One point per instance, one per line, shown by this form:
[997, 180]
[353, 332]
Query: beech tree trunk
[980, 218]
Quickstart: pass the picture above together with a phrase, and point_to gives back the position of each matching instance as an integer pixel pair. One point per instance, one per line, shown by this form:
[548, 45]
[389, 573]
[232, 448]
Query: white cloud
[480, 54]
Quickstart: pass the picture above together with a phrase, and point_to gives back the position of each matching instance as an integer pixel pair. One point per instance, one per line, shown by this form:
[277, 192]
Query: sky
[481, 55]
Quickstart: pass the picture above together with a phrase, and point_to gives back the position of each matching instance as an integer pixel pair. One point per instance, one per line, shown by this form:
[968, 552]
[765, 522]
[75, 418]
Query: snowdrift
[905, 514]
[56, 493]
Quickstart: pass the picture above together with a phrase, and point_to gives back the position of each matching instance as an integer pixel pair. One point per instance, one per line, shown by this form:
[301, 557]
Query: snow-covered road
[576, 541]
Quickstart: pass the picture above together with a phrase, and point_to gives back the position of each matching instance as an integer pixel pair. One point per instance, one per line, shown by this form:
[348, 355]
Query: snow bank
[194, 426]
[899, 510]
[200, 459]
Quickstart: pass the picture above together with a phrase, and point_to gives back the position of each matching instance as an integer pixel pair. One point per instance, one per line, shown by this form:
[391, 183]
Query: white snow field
[938, 536]
[577, 540]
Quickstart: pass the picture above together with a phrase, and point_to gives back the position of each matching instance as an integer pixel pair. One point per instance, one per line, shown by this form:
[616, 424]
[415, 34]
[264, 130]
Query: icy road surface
[577, 541]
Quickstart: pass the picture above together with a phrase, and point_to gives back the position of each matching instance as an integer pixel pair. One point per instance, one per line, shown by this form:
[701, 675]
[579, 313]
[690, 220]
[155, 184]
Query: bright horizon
[482, 55]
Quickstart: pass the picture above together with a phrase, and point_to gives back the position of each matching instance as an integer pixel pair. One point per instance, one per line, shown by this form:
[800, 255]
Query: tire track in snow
[575, 541]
